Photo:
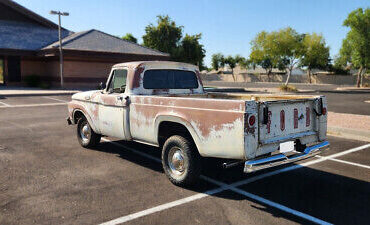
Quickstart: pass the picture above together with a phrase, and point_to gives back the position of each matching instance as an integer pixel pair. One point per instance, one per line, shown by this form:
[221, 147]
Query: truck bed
[247, 97]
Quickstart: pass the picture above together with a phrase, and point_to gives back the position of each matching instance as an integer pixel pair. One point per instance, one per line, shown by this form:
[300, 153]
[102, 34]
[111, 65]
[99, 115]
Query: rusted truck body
[150, 102]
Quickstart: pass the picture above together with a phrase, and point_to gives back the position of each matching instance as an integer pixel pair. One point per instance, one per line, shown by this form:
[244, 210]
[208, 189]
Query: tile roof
[29, 14]
[95, 40]
[26, 36]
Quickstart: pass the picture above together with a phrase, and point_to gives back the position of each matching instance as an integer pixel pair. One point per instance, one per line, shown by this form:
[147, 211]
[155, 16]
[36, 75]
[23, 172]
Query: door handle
[119, 98]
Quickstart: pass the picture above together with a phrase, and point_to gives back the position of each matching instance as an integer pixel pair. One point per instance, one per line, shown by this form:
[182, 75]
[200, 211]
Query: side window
[118, 81]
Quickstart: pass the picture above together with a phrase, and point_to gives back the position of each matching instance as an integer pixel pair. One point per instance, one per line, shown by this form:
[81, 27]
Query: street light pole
[60, 43]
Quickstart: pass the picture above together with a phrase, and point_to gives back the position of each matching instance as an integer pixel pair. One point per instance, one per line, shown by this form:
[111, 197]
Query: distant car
[164, 104]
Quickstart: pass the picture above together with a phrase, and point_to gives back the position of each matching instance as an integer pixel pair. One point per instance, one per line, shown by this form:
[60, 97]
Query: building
[29, 46]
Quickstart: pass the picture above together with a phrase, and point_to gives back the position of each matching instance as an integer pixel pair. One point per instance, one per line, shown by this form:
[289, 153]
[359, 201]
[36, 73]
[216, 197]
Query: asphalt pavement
[47, 178]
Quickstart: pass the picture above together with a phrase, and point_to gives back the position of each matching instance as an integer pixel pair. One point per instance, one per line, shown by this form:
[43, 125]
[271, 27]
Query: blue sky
[227, 26]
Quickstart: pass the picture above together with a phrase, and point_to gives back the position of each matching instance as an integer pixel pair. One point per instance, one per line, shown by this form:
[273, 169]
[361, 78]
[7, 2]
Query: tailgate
[286, 120]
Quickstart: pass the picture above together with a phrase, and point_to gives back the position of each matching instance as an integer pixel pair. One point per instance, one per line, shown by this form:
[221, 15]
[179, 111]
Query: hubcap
[85, 132]
[176, 161]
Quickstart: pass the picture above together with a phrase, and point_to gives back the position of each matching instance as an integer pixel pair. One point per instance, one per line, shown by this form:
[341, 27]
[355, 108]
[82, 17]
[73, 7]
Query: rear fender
[180, 120]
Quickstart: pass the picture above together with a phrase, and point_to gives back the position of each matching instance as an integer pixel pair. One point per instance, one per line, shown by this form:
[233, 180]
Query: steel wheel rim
[85, 132]
[176, 161]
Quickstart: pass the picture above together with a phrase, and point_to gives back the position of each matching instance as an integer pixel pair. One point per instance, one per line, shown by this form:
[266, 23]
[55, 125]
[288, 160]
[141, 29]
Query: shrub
[287, 88]
[44, 85]
[32, 80]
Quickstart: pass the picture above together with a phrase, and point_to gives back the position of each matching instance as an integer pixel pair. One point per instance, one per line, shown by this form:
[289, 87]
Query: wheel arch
[78, 113]
[179, 123]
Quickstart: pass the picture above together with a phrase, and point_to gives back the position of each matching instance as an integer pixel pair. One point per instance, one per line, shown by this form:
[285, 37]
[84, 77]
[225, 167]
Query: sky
[227, 26]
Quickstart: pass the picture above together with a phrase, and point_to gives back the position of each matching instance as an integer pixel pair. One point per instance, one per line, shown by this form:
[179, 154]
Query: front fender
[75, 107]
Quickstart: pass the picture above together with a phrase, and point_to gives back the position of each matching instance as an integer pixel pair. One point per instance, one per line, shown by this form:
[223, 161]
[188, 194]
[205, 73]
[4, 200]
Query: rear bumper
[280, 159]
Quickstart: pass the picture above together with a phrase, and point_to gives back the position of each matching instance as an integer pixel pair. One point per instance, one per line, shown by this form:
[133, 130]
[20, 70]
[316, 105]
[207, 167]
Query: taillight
[251, 120]
[323, 111]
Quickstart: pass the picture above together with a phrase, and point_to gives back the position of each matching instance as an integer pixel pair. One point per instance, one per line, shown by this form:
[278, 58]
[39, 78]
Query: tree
[241, 61]
[130, 37]
[288, 48]
[191, 51]
[315, 53]
[355, 48]
[218, 60]
[165, 36]
[264, 52]
[232, 63]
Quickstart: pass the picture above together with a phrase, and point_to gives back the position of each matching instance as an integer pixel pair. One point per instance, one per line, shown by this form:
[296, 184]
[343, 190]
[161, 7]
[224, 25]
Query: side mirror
[102, 85]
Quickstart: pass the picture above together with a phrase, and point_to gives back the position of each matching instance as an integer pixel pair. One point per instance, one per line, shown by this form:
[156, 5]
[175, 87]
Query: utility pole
[60, 43]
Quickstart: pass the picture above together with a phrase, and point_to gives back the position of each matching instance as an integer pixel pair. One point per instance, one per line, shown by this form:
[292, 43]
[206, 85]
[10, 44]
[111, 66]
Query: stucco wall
[320, 79]
[76, 73]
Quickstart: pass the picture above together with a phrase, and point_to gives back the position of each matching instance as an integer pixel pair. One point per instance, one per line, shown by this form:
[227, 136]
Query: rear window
[170, 79]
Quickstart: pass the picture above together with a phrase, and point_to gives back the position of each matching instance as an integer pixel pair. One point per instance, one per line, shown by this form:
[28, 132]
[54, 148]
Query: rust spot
[160, 91]
[269, 122]
[135, 81]
[190, 110]
[109, 99]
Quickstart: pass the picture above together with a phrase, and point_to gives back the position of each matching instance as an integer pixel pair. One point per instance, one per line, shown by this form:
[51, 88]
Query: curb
[38, 94]
[360, 135]
[353, 89]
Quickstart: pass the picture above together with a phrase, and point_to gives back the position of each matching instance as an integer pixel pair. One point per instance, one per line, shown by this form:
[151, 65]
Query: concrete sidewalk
[349, 126]
[26, 91]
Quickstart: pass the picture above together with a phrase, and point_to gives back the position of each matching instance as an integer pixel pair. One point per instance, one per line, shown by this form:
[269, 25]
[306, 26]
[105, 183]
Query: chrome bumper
[280, 159]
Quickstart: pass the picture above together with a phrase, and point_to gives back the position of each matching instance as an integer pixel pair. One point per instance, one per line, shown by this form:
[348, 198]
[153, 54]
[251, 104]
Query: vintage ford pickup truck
[164, 104]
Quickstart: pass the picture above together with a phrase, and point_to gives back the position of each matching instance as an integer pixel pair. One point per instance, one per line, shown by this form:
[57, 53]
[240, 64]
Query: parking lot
[47, 178]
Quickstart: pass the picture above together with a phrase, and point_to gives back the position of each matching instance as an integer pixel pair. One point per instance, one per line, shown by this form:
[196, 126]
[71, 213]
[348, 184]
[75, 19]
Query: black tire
[90, 140]
[189, 172]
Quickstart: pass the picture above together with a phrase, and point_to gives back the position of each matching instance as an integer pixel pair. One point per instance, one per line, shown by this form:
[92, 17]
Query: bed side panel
[218, 125]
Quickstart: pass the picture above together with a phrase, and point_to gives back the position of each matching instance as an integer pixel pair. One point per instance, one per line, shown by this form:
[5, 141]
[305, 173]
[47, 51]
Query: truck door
[113, 106]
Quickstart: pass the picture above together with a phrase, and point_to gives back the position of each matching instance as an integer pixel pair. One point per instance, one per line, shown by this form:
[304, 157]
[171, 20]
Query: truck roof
[153, 63]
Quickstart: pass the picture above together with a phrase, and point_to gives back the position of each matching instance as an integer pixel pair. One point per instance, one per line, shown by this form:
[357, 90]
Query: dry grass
[288, 88]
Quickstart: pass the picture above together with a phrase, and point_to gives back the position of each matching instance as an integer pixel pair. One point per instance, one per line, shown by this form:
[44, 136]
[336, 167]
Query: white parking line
[55, 99]
[3, 103]
[267, 202]
[347, 162]
[33, 105]
[222, 187]
[230, 187]
[164, 206]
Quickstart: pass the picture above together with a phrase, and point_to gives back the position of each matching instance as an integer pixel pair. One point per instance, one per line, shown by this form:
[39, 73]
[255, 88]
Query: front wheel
[85, 135]
[181, 161]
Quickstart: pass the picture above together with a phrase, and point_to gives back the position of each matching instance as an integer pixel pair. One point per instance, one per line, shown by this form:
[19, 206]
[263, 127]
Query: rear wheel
[181, 161]
[85, 135]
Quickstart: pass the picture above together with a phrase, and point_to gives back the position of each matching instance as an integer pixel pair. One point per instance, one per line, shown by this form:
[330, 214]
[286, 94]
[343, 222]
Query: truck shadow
[328, 196]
